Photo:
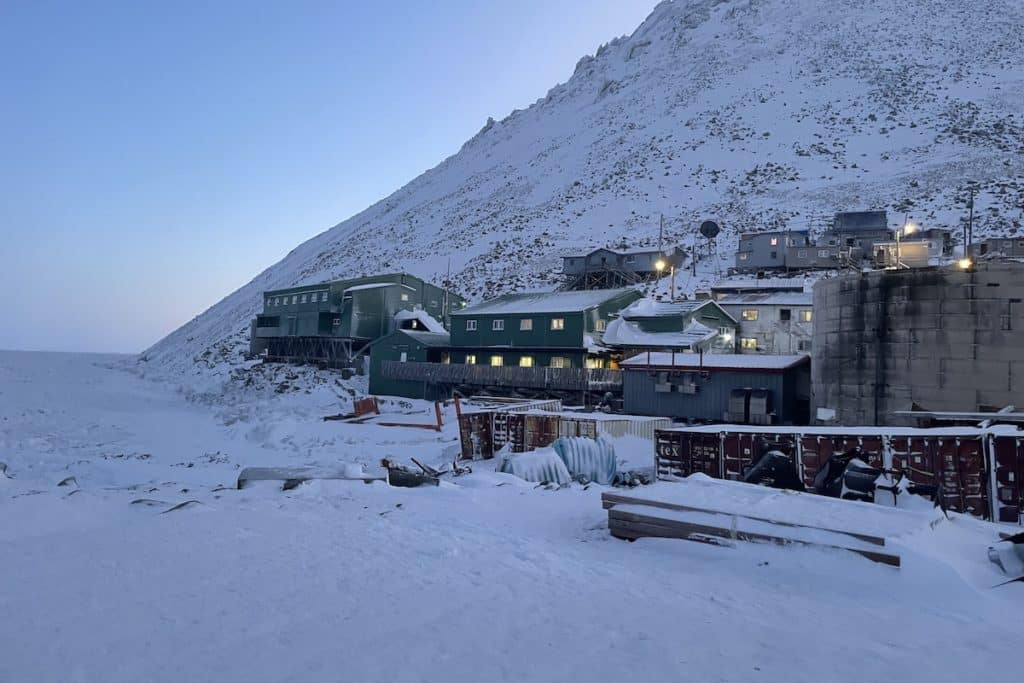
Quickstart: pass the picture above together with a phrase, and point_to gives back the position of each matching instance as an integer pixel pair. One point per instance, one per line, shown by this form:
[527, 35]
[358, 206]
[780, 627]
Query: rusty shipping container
[978, 471]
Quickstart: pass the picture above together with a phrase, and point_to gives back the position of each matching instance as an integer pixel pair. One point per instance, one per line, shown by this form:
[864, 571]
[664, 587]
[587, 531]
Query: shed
[408, 346]
[718, 387]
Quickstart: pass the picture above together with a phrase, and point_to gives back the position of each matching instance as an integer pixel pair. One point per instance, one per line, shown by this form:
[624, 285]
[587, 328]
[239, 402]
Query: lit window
[748, 343]
[749, 314]
[269, 302]
[526, 324]
[600, 325]
[295, 298]
[277, 301]
[405, 296]
[560, 362]
[497, 325]
[302, 299]
[323, 297]
[595, 363]
[806, 316]
[558, 323]
[404, 357]
[743, 256]
[470, 359]
[526, 361]
[497, 361]
[470, 326]
[774, 241]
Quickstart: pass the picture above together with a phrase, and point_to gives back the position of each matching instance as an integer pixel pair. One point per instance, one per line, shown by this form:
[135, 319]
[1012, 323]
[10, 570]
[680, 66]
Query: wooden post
[437, 411]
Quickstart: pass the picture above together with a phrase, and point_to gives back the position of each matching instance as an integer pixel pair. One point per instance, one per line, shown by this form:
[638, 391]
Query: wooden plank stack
[631, 517]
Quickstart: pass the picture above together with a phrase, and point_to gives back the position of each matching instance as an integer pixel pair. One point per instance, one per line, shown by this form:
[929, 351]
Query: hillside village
[703, 366]
[884, 335]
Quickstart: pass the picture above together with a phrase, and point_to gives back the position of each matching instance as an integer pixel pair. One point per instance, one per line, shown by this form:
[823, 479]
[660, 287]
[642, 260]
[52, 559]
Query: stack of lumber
[688, 511]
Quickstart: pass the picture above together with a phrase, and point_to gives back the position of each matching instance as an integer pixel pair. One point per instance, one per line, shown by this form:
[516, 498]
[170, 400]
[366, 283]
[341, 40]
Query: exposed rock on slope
[760, 112]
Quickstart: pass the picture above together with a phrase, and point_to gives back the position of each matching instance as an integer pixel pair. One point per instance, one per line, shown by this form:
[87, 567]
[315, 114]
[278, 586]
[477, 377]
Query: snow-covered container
[485, 433]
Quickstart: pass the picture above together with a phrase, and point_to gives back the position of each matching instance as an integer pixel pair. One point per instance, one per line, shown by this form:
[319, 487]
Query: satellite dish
[709, 229]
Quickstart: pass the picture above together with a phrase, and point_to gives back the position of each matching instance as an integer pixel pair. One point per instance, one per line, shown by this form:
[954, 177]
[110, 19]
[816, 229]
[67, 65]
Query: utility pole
[969, 239]
[661, 234]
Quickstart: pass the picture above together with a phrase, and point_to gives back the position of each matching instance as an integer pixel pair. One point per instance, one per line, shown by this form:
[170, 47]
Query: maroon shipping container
[979, 472]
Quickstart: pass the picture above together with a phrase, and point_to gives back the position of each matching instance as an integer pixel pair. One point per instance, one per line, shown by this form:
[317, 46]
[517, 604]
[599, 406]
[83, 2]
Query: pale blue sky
[156, 156]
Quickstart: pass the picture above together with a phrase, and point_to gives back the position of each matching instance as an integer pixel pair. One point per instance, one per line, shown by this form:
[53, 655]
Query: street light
[965, 263]
[660, 265]
[907, 229]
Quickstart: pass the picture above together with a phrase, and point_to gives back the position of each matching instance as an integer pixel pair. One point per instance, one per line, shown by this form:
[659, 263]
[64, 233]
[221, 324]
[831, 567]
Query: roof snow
[769, 299]
[649, 308]
[792, 284]
[423, 318]
[715, 361]
[376, 285]
[624, 332]
[544, 302]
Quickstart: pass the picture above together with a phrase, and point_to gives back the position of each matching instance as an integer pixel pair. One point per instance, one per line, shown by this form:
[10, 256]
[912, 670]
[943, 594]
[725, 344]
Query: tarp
[543, 465]
[593, 459]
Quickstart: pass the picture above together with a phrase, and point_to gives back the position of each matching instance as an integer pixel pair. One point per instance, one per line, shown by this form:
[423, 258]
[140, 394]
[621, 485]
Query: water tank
[939, 339]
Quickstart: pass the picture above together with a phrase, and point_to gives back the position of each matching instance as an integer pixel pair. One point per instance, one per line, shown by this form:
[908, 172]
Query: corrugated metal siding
[709, 403]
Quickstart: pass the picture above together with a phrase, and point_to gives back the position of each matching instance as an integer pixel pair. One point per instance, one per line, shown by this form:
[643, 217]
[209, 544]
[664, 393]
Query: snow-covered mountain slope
[761, 113]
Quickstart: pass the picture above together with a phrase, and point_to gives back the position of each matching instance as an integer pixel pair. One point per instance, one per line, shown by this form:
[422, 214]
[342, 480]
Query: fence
[558, 379]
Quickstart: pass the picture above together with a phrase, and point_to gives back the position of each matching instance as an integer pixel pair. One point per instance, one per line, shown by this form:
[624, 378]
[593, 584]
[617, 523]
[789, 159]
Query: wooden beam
[631, 524]
[609, 500]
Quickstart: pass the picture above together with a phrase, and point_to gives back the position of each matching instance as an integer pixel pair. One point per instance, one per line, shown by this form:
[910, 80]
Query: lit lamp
[660, 265]
[907, 229]
[965, 263]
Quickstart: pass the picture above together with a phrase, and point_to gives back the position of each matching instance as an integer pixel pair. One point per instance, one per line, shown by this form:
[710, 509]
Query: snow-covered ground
[485, 578]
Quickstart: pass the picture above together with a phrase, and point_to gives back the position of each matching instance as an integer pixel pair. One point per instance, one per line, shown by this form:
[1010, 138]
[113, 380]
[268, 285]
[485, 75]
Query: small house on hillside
[607, 268]
[683, 326]
[763, 250]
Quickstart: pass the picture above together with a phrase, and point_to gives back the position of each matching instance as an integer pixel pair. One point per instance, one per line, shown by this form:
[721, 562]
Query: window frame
[748, 343]
[557, 324]
[498, 325]
[497, 360]
[750, 315]
[471, 325]
[526, 324]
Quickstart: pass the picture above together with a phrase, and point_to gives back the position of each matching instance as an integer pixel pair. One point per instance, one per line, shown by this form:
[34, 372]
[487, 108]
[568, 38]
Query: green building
[538, 329]
[532, 344]
[409, 346]
[680, 326]
[333, 322]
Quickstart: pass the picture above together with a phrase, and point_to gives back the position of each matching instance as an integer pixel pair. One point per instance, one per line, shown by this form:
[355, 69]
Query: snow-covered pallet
[632, 517]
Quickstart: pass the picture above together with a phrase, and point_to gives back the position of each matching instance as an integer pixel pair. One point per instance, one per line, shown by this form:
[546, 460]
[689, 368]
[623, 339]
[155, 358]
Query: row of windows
[752, 314]
[526, 325]
[296, 299]
[497, 360]
[750, 344]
